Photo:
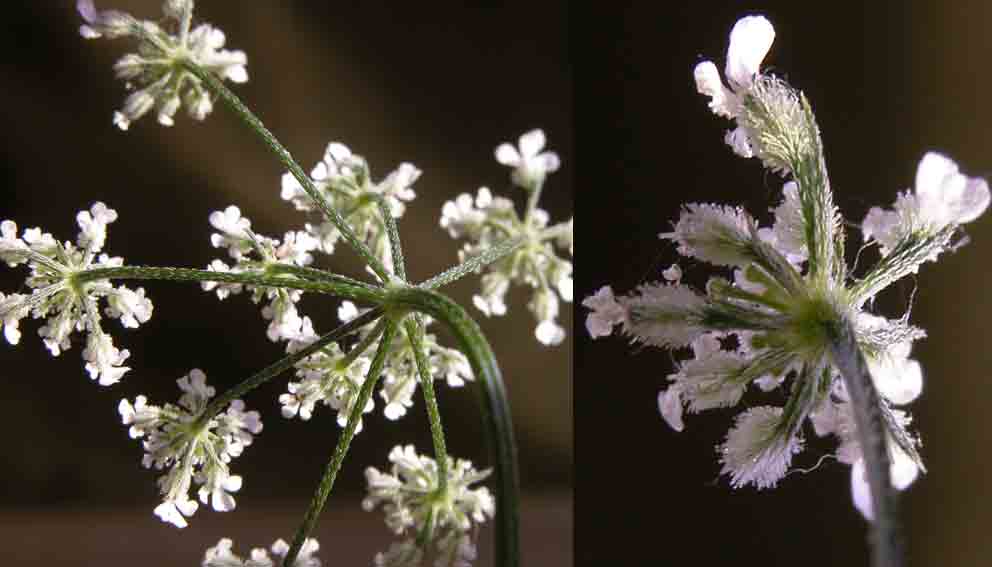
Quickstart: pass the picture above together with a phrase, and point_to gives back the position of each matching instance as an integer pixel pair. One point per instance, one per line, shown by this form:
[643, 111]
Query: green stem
[315, 274]
[255, 125]
[360, 293]
[341, 450]
[471, 265]
[532, 199]
[495, 410]
[415, 332]
[871, 431]
[273, 370]
[395, 247]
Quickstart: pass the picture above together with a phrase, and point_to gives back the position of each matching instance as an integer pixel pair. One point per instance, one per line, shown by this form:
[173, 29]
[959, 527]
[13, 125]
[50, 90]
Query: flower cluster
[194, 446]
[158, 68]
[254, 253]
[440, 520]
[344, 181]
[221, 555]
[66, 302]
[485, 221]
[790, 293]
[334, 378]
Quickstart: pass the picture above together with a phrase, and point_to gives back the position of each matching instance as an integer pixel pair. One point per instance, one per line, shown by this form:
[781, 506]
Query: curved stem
[361, 293]
[415, 332]
[344, 442]
[495, 411]
[871, 431]
[273, 370]
[471, 265]
[255, 125]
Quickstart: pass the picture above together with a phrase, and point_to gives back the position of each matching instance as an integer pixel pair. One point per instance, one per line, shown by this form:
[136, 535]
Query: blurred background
[888, 81]
[440, 86]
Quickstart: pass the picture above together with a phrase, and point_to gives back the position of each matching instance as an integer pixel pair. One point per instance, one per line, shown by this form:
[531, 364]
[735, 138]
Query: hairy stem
[495, 411]
[395, 247]
[870, 423]
[471, 265]
[315, 274]
[361, 293]
[341, 450]
[273, 370]
[415, 332]
[255, 125]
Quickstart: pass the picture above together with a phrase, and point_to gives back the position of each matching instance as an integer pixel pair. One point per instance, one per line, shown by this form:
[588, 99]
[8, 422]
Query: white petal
[507, 155]
[750, 41]
[860, 491]
[931, 174]
[974, 201]
[532, 142]
[722, 101]
[670, 406]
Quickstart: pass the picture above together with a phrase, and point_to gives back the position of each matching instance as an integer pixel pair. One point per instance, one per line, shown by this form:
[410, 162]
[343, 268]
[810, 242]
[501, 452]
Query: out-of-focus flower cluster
[222, 555]
[438, 521]
[66, 303]
[790, 292]
[155, 73]
[194, 448]
[485, 221]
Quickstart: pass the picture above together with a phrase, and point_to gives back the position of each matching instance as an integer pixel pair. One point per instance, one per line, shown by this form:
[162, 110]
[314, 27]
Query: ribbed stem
[255, 125]
[392, 231]
[871, 430]
[471, 265]
[415, 332]
[361, 293]
[341, 450]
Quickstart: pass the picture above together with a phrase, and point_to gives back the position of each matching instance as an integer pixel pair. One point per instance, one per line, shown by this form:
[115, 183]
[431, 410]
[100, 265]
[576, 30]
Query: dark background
[888, 81]
[440, 86]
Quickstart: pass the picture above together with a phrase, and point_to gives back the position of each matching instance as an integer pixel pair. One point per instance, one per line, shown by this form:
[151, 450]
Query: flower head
[344, 181]
[790, 299]
[487, 221]
[157, 72]
[414, 503]
[67, 303]
[530, 165]
[193, 447]
[261, 254]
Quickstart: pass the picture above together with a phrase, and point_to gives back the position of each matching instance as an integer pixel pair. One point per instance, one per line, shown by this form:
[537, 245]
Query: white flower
[67, 304]
[902, 472]
[331, 378]
[487, 221]
[221, 555]
[530, 164]
[194, 450]
[943, 197]
[344, 182]
[157, 69]
[606, 312]
[411, 500]
[255, 253]
[750, 40]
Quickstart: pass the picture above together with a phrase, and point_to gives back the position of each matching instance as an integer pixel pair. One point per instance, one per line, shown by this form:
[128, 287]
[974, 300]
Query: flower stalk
[341, 450]
[871, 431]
